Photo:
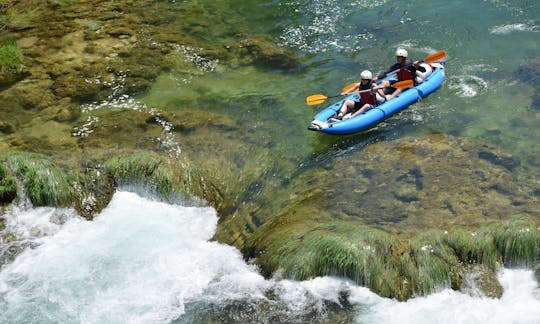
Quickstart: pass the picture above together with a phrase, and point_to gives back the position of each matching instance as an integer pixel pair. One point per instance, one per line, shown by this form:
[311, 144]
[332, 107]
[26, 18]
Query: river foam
[142, 261]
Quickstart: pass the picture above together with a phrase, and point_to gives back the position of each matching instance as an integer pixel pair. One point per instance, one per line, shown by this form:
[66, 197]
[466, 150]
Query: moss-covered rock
[6, 127]
[93, 190]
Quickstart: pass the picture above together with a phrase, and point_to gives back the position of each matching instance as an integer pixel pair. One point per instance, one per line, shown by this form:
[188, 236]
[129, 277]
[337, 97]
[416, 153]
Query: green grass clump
[44, 183]
[436, 263]
[518, 241]
[144, 170]
[474, 247]
[337, 248]
[8, 186]
[11, 56]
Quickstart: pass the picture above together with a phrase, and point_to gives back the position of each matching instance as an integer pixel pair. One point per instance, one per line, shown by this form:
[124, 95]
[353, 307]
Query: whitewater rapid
[143, 261]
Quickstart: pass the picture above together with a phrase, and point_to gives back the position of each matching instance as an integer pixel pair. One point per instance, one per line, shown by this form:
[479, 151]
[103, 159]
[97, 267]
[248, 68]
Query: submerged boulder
[530, 73]
[479, 281]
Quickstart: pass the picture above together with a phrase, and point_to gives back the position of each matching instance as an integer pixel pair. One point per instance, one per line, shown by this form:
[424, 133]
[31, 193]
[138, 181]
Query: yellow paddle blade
[435, 57]
[403, 84]
[316, 99]
[349, 86]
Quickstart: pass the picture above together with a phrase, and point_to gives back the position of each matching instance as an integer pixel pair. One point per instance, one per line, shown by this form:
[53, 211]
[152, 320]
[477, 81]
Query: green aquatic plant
[474, 247]
[337, 248]
[436, 263]
[15, 15]
[518, 241]
[11, 56]
[8, 185]
[44, 182]
[142, 169]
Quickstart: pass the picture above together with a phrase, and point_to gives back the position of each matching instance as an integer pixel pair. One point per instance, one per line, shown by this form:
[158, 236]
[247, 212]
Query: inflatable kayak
[433, 79]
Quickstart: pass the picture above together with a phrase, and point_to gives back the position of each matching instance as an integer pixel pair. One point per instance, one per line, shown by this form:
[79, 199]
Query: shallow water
[483, 97]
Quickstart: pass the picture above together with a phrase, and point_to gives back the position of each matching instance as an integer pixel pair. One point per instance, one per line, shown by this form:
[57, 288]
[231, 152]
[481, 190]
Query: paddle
[435, 56]
[320, 98]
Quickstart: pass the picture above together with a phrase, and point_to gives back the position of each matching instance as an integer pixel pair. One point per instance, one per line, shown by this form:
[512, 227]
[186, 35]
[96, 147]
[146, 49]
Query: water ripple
[324, 24]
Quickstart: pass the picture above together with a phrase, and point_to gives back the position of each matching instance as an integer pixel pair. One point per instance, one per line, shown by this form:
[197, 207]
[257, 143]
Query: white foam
[519, 304]
[138, 261]
[467, 85]
[510, 28]
[322, 30]
[143, 261]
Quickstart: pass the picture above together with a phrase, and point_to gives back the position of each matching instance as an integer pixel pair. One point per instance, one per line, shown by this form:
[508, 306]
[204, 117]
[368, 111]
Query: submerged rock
[530, 73]
[479, 281]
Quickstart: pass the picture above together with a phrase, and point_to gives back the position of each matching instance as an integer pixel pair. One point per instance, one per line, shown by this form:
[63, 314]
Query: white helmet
[401, 52]
[366, 75]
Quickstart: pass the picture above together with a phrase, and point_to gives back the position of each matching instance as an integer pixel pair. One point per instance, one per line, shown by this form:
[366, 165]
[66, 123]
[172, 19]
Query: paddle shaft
[320, 98]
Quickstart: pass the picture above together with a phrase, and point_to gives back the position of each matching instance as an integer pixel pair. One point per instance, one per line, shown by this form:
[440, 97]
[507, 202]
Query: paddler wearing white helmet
[403, 68]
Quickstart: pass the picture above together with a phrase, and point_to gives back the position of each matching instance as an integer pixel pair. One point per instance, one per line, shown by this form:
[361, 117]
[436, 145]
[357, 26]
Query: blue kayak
[379, 113]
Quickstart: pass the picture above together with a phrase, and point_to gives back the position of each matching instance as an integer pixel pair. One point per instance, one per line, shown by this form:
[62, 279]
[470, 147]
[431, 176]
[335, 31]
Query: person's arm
[351, 89]
[417, 67]
[383, 74]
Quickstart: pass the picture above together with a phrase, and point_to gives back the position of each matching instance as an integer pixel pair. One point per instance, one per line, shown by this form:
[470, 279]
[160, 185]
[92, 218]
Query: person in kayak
[404, 69]
[368, 99]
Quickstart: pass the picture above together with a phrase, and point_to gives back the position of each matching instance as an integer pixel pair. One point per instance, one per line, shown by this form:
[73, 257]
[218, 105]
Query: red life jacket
[367, 98]
[404, 74]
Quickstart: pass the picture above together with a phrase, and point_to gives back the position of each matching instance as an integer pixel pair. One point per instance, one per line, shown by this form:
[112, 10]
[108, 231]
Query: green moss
[11, 56]
[62, 3]
[44, 183]
[518, 241]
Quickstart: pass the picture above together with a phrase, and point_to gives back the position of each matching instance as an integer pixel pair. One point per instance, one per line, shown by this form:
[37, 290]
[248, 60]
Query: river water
[488, 94]
[144, 261]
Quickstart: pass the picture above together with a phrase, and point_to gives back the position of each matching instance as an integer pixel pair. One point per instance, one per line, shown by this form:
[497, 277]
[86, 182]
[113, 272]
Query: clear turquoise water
[483, 98]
